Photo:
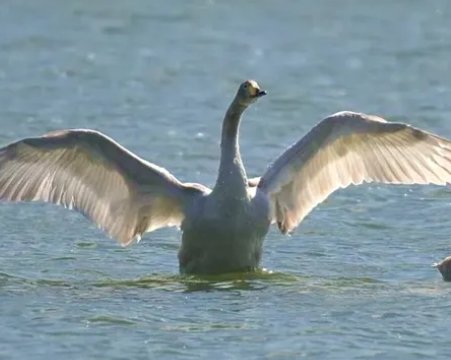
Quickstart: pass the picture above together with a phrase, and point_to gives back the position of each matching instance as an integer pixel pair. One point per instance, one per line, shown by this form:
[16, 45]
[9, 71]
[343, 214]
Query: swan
[222, 228]
[444, 267]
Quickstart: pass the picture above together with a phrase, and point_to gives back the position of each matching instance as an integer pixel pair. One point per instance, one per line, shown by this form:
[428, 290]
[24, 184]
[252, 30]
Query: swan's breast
[224, 236]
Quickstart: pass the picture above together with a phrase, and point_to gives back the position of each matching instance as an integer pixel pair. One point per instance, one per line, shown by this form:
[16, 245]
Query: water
[354, 282]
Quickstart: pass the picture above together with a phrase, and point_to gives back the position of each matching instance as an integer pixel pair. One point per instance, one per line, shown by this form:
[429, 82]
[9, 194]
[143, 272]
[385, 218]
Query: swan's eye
[245, 86]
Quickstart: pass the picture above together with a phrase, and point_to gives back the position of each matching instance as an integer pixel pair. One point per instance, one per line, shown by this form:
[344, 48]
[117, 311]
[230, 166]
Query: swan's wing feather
[351, 148]
[89, 172]
[253, 182]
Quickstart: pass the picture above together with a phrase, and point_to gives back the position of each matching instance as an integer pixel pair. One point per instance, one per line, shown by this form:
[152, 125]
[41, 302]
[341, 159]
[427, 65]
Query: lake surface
[353, 282]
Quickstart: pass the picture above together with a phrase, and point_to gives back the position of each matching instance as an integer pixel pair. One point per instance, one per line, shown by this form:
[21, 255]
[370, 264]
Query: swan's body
[222, 234]
[223, 228]
[444, 267]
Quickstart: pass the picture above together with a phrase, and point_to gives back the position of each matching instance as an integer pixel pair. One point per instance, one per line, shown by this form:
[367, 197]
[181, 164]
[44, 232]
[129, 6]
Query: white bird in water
[444, 267]
[223, 228]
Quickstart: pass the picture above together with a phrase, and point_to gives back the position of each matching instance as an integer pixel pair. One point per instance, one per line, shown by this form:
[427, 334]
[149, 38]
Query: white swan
[444, 267]
[223, 229]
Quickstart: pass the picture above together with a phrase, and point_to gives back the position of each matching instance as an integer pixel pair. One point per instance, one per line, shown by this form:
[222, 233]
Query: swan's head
[249, 92]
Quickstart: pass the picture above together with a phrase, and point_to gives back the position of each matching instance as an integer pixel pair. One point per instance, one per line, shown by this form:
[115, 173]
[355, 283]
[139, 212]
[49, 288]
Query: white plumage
[223, 228]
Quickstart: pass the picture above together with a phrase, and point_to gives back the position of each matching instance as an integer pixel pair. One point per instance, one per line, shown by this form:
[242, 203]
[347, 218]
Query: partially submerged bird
[223, 228]
[444, 267]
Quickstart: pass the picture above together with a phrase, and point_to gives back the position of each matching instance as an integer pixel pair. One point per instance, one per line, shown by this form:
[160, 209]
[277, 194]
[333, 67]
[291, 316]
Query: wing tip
[129, 241]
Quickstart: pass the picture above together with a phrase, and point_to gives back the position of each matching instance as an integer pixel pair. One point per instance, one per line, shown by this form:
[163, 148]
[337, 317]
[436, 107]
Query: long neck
[232, 176]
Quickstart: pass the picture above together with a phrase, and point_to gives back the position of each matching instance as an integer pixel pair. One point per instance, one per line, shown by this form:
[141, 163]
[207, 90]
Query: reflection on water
[235, 281]
[257, 280]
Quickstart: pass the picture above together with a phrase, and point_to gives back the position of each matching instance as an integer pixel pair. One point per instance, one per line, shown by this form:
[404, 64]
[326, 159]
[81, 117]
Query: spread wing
[89, 172]
[351, 148]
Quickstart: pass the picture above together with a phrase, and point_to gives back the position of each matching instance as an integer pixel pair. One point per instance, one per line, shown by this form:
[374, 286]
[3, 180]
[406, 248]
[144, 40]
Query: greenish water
[354, 281]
